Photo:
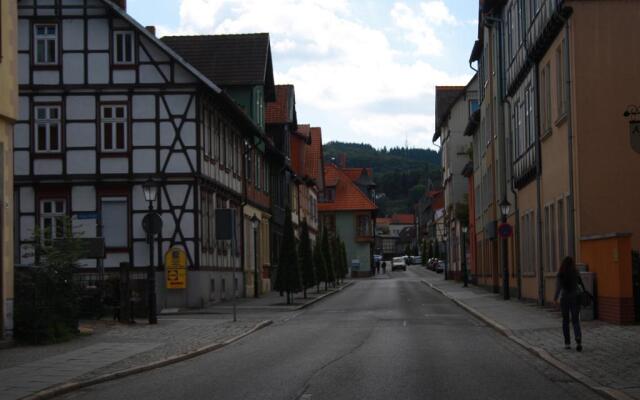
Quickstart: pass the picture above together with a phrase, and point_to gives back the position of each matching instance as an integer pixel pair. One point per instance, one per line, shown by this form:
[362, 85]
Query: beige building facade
[8, 115]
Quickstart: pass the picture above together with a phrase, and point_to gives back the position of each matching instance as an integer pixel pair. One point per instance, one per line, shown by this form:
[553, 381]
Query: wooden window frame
[114, 120]
[46, 37]
[54, 215]
[48, 122]
[114, 56]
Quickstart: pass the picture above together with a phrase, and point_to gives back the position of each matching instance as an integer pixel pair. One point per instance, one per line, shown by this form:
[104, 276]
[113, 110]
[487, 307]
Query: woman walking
[568, 280]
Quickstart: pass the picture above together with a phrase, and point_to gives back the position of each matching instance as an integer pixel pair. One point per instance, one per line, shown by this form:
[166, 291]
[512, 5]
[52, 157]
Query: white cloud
[381, 129]
[419, 25]
[338, 64]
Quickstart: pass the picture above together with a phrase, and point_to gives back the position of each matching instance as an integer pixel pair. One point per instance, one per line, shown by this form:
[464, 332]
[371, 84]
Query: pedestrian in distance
[569, 288]
[378, 267]
[384, 267]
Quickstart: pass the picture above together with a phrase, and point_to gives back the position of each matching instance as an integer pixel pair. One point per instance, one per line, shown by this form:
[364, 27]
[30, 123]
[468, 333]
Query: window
[473, 106]
[561, 233]
[258, 176]
[560, 86]
[45, 44]
[363, 225]
[123, 47]
[115, 226]
[545, 99]
[114, 128]
[47, 129]
[52, 213]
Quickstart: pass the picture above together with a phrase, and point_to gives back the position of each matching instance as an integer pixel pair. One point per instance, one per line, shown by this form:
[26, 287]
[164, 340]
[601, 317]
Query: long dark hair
[568, 274]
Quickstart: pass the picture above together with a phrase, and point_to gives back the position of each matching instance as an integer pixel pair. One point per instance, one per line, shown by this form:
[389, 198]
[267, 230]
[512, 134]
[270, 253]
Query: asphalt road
[388, 337]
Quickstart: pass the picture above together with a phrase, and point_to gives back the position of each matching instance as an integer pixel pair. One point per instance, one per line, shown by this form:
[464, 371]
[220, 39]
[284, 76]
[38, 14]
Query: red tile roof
[383, 221]
[278, 112]
[403, 219]
[348, 196]
[314, 156]
[303, 130]
[354, 173]
[297, 154]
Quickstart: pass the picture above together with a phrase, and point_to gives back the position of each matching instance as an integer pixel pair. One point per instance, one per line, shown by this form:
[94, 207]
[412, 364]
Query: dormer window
[45, 44]
[123, 48]
[329, 195]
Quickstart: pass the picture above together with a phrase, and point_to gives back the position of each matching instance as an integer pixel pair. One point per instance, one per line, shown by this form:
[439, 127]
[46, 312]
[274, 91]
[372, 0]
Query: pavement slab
[611, 355]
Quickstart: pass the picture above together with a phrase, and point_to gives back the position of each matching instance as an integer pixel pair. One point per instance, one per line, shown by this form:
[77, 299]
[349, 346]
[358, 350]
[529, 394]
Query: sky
[365, 71]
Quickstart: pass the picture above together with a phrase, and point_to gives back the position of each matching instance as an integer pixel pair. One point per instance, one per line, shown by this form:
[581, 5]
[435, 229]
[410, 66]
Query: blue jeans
[570, 308]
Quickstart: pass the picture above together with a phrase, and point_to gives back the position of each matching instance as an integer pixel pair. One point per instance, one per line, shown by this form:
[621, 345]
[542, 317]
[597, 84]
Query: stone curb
[317, 299]
[605, 391]
[226, 310]
[73, 386]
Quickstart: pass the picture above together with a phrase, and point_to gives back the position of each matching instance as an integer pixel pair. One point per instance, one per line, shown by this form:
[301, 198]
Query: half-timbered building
[104, 105]
[242, 66]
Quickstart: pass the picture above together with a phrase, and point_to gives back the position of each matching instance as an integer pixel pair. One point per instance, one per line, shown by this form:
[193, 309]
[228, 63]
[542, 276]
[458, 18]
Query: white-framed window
[114, 127]
[45, 44]
[123, 52]
[47, 129]
[52, 213]
[115, 221]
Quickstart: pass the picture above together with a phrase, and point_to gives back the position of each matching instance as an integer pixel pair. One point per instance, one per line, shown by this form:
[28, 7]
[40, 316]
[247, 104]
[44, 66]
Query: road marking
[404, 324]
[306, 396]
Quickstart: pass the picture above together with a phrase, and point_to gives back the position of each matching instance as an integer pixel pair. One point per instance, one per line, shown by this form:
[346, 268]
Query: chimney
[151, 29]
[342, 160]
[121, 3]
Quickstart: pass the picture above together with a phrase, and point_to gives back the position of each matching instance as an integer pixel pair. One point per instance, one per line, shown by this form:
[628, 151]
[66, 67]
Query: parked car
[440, 266]
[431, 264]
[398, 263]
[416, 260]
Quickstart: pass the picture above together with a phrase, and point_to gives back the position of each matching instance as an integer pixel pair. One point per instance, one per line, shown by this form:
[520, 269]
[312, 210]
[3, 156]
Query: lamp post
[255, 221]
[152, 224]
[505, 206]
[465, 273]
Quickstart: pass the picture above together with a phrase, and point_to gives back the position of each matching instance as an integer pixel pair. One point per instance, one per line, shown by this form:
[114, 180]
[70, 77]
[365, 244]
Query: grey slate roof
[229, 60]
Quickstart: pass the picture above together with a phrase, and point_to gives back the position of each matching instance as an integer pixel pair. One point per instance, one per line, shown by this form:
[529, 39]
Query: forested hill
[400, 173]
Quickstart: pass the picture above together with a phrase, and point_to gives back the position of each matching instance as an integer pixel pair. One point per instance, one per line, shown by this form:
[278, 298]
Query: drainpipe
[516, 235]
[570, 199]
[538, 189]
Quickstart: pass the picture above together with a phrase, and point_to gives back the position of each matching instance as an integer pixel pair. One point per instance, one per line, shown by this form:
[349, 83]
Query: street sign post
[176, 268]
[505, 230]
[634, 132]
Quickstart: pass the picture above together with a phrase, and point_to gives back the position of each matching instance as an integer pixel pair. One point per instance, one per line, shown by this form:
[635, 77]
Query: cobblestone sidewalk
[611, 355]
[112, 348]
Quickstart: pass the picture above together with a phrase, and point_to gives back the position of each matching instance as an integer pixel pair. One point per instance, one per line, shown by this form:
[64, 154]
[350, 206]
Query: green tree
[407, 250]
[436, 250]
[306, 259]
[319, 263]
[46, 296]
[329, 259]
[345, 260]
[288, 278]
[337, 259]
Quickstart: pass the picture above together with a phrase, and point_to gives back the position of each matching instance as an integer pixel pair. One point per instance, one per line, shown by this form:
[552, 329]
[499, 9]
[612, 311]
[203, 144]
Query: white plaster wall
[47, 167]
[149, 74]
[136, 224]
[23, 34]
[46, 77]
[177, 163]
[73, 34]
[181, 75]
[123, 76]
[114, 97]
[23, 69]
[21, 136]
[73, 68]
[23, 108]
[81, 162]
[83, 198]
[81, 134]
[27, 199]
[98, 68]
[144, 134]
[167, 133]
[114, 165]
[114, 259]
[137, 198]
[141, 254]
[144, 106]
[187, 225]
[81, 107]
[154, 51]
[98, 29]
[188, 134]
[177, 103]
[144, 161]
[27, 223]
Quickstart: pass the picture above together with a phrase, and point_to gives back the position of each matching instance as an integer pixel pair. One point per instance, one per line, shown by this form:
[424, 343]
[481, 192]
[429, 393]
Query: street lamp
[152, 224]
[255, 221]
[446, 253]
[465, 274]
[505, 207]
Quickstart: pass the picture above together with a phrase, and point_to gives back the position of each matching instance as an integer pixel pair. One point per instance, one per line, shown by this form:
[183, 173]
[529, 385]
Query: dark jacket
[567, 285]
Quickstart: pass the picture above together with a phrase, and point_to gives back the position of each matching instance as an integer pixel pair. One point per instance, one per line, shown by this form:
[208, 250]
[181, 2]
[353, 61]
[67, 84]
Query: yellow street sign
[175, 262]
